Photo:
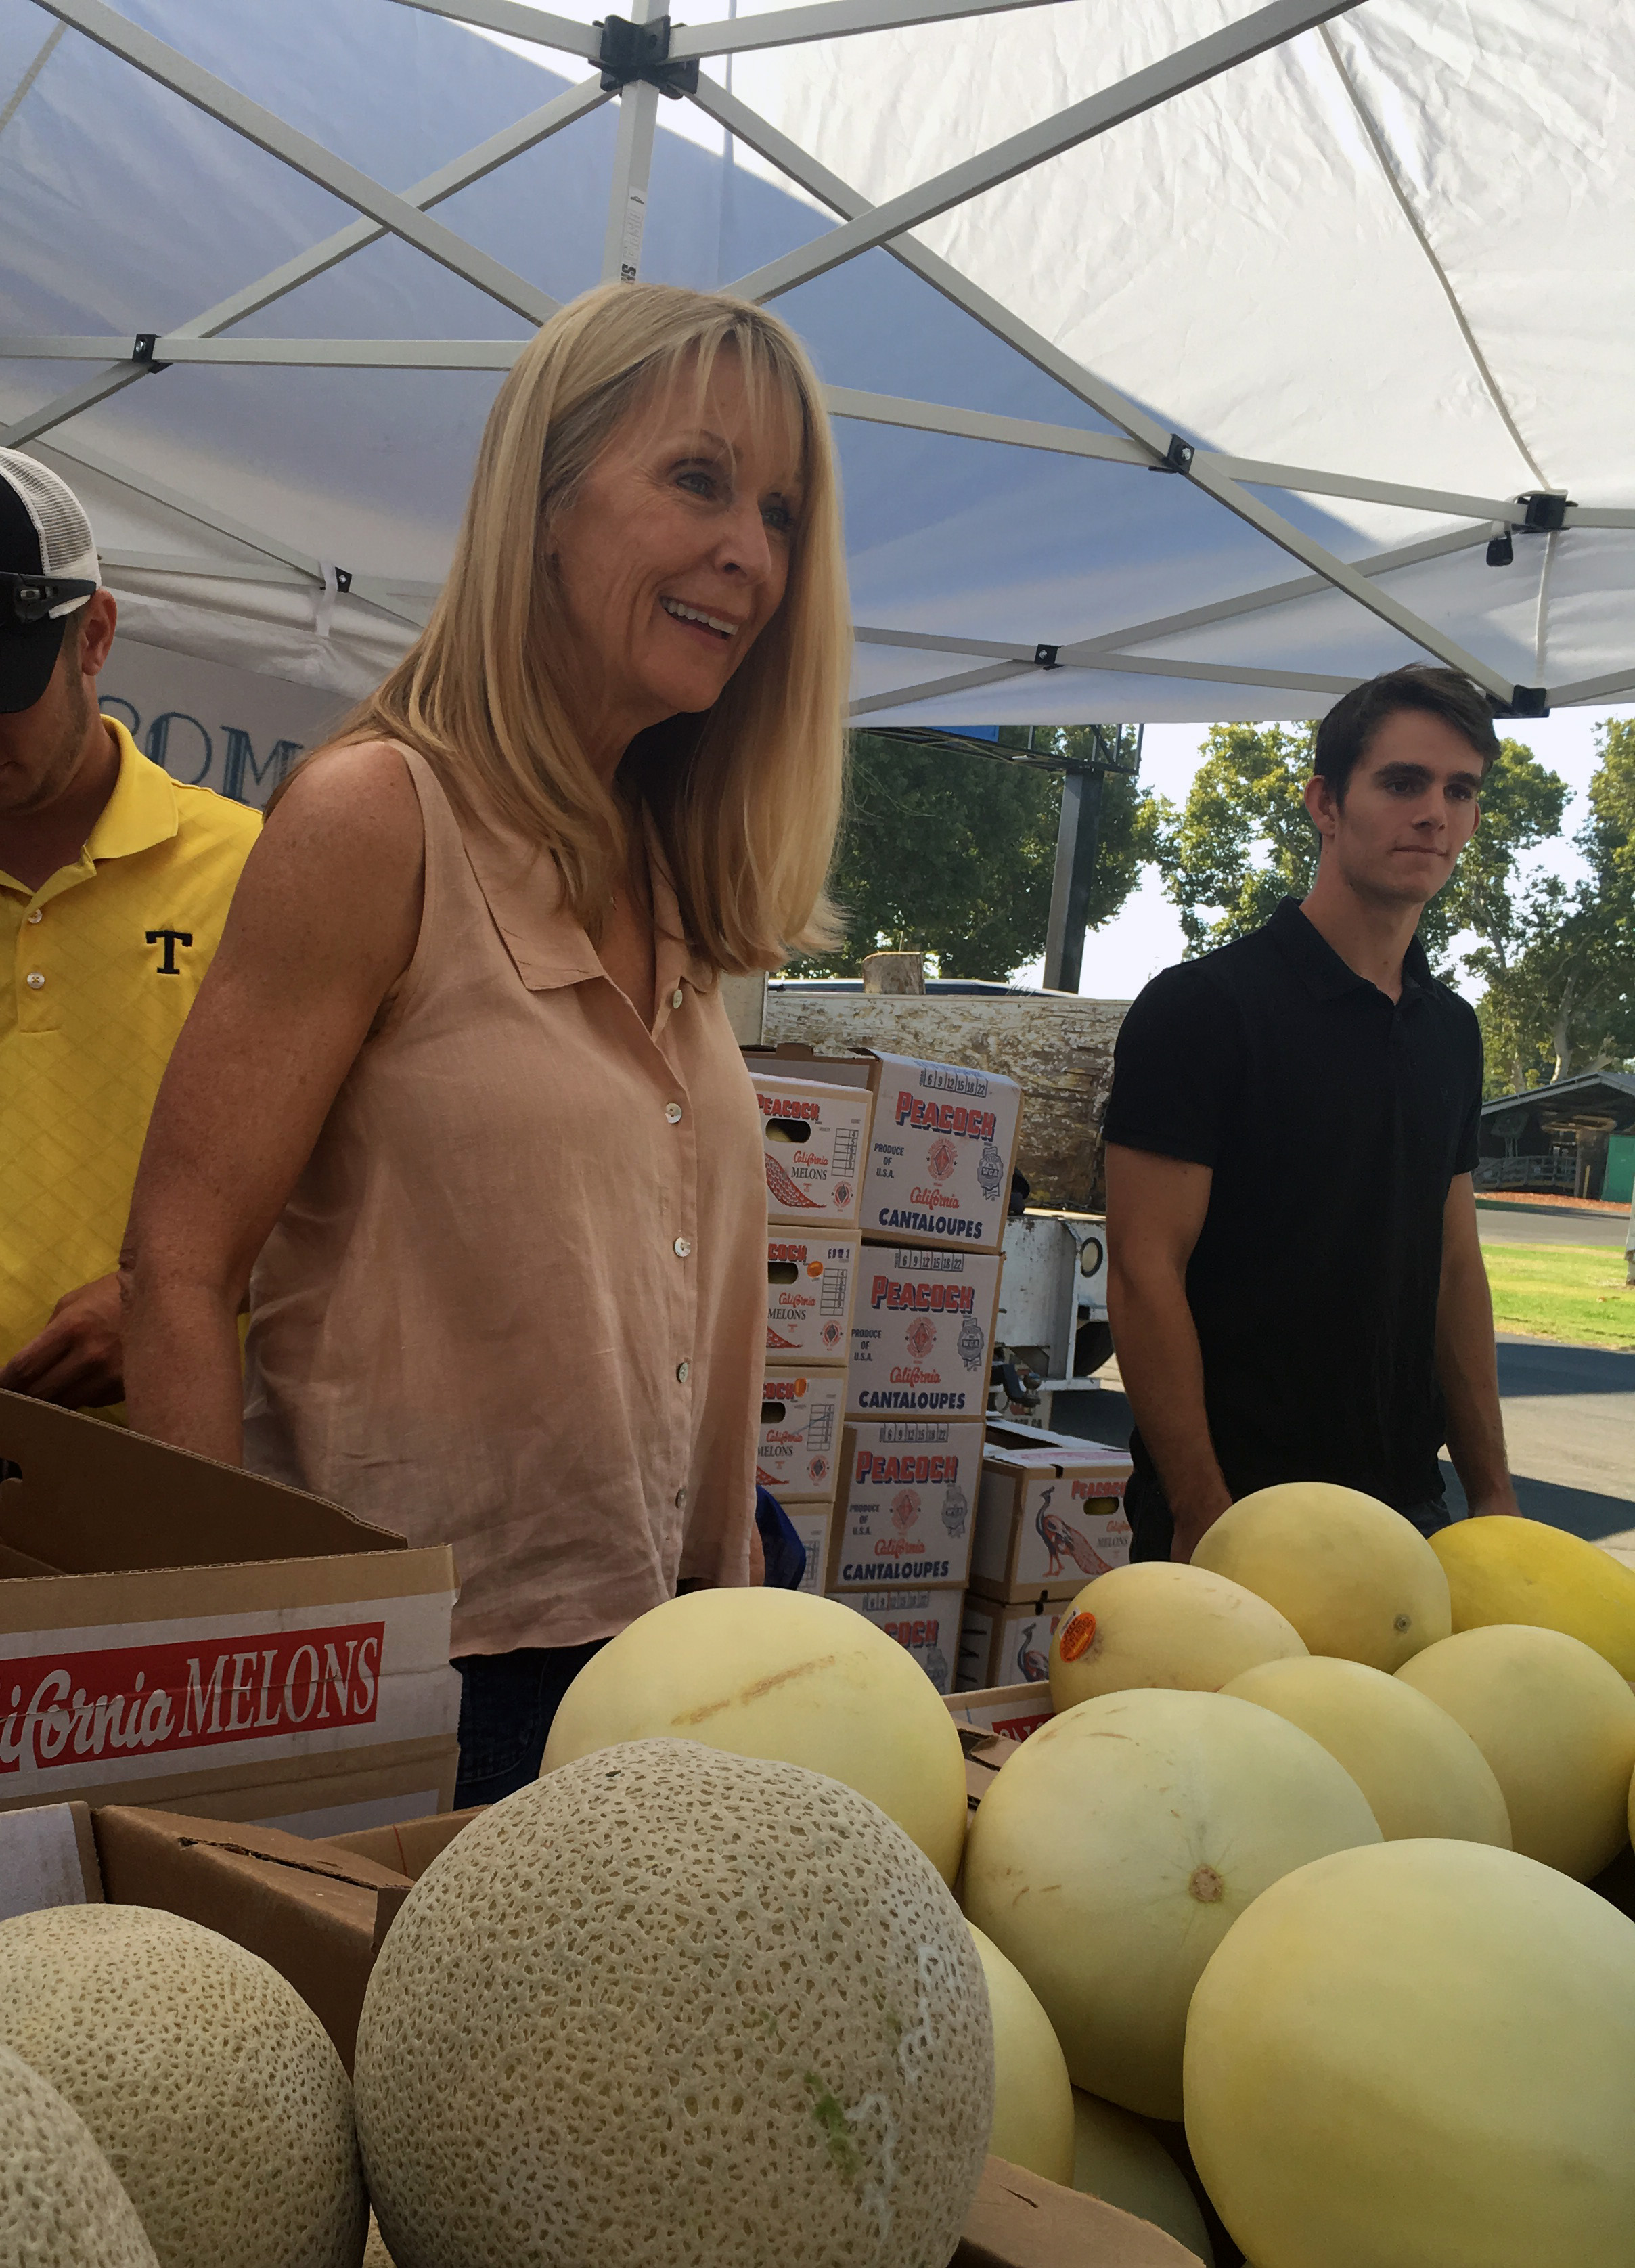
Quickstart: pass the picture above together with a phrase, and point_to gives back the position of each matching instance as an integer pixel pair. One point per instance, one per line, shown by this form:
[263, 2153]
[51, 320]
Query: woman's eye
[698, 482]
[780, 518]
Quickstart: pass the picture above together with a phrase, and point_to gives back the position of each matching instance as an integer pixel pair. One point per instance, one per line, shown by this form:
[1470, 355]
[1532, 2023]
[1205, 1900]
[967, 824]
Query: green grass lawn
[1562, 1292]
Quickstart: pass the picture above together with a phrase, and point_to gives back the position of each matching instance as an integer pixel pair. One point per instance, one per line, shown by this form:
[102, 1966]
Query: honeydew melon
[780, 1675]
[1117, 1848]
[206, 2080]
[1033, 2098]
[1420, 2055]
[1420, 1770]
[671, 2007]
[1158, 1624]
[60, 2203]
[1556, 1722]
[1504, 1569]
[1354, 1577]
[1120, 2161]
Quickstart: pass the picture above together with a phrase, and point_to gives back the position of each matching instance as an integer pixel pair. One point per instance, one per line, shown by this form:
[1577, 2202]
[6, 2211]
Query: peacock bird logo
[1062, 1540]
[787, 1192]
[1032, 1664]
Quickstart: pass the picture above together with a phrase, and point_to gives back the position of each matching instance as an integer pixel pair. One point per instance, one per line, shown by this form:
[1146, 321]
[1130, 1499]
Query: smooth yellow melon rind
[1501, 1568]
[1120, 2161]
[1118, 1846]
[672, 2004]
[788, 1677]
[1033, 2097]
[1420, 1771]
[1356, 1578]
[1158, 1624]
[1556, 1724]
[60, 2203]
[206, 2080]
[1420, 2055]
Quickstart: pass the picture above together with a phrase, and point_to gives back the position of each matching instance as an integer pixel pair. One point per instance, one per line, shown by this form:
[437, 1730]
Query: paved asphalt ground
[1569, 1411]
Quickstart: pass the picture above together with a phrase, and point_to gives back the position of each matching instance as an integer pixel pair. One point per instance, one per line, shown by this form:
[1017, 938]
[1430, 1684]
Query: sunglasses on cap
[27, 600]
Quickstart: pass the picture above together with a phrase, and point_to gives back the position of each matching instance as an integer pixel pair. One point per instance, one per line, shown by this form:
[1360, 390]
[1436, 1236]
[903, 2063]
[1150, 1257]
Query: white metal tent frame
[636, 62]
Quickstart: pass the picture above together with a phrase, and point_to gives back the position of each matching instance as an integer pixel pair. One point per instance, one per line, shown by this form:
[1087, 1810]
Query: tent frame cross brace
[640, 59]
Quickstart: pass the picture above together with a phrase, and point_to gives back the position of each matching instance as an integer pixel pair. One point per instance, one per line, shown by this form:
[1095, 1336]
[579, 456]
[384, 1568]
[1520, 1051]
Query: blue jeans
[506, 1704]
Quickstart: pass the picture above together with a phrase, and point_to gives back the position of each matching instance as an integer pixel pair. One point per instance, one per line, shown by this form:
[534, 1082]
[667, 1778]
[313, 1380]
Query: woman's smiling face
[675, 554]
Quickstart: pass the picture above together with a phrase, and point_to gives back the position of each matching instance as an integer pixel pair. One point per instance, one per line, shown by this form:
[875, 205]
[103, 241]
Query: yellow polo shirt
[102, 962]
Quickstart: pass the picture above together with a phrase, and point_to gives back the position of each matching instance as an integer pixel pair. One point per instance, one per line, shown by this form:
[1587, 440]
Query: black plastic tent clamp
[1501, 550]
[1176, 459]
[1544, 513]
[642, 51]
[1044, 657]
[141, 350]
[1526, 701]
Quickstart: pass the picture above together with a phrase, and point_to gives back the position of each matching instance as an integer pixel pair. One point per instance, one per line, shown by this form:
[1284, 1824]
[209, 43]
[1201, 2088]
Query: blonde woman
[458, 1101]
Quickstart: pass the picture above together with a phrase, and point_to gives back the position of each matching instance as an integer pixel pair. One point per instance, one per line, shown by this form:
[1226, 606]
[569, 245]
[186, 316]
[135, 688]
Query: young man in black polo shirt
[1297, 1289]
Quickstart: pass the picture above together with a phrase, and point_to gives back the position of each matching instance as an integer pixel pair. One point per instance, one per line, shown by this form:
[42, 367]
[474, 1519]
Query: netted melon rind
[671, 2007]
[210, 2086]
[60, 2204]
[375, 2254]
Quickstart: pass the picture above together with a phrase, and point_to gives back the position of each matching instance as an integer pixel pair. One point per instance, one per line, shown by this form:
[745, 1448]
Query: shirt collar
[141, 811]
[1320, 967]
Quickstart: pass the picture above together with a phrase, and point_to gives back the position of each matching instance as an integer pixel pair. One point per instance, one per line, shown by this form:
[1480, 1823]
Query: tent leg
[1076, 841]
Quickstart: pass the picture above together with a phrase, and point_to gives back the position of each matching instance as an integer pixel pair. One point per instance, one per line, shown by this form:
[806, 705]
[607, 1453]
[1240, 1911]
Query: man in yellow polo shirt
[114, 883]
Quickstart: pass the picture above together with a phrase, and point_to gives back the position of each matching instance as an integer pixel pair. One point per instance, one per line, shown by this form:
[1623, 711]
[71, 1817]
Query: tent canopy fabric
[1189, 361]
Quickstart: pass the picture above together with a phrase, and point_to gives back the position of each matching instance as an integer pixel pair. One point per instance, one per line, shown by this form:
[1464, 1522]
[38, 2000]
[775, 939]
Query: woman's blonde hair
[745, 798]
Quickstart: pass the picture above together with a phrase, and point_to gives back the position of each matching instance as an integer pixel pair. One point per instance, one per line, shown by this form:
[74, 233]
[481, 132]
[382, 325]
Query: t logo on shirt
[170, 938]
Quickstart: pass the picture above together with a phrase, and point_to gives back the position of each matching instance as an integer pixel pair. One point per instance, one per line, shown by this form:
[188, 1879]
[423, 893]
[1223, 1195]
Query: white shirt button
[673, 1112]
[36, 913]
[684, 1371]
[675, 998]
[35, 980]
[680, 1499]
[683, 1244]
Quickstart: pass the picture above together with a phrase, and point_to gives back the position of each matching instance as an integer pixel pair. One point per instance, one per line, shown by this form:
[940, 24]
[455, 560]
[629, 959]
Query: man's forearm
[183, 1380]
[1162, 1370]
[1468, 1372]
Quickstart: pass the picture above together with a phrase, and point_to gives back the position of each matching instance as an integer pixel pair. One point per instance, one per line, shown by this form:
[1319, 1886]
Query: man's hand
[1502, 1504]
[1192, 1525]
[79, 1360]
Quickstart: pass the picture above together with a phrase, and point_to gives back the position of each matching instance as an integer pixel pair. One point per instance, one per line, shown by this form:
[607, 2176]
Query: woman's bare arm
[324, 922]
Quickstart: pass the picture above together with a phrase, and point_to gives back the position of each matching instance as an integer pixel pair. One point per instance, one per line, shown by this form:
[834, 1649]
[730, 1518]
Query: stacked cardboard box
[1049, 1519]
[815, 1141]
[933, 1197]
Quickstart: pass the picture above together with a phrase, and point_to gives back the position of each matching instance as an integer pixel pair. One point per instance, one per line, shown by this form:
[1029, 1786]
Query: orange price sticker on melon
[1078, 1636]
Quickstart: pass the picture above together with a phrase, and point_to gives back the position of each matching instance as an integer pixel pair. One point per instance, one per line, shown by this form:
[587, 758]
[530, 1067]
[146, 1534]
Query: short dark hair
[1343, 737]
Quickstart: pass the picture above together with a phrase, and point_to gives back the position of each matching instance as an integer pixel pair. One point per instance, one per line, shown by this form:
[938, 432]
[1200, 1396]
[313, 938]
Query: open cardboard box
[184, 1634]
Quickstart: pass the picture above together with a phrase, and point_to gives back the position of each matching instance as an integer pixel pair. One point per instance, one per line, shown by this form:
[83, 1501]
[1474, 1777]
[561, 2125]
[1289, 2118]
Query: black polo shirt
[1333, 1119]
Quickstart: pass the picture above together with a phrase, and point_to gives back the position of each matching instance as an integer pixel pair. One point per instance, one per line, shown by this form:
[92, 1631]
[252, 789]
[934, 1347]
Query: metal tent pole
[1076, 839]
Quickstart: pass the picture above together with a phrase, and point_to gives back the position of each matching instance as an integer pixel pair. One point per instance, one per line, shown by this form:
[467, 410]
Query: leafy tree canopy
[953, 855]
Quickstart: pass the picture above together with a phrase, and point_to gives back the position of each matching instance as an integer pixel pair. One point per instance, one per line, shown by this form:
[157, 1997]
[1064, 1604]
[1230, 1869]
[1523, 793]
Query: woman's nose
[746, 549]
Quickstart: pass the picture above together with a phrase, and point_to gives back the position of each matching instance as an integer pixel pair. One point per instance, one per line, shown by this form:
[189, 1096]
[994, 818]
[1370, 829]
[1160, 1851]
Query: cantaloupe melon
[375, 2254]
[1419, 2055]
[1121, 2161]
[783, 1675]
[1033, 2098]
[1160, 1623]
[1117, 1848]
[60, 2203]
[1504, 1569]
[1421, 1772]
[1354, 1577]
[672, 2007]
[208, 2083]
[1556, 1722]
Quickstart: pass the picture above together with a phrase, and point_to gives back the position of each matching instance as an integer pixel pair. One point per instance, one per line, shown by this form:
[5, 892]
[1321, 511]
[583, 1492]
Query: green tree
[1243, 839]
[953, 855]
[1561, 978]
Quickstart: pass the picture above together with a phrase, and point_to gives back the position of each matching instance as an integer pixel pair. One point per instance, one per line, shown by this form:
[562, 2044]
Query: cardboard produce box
[47, 1857]
[815, 1142]
[798, 1447]
[925, 1622]
[942, 1148]
[903, 1510]
[183, 1634]
[810, 1282]
[813, 1523]
[1015, 1711]
[922, 1332]
[411, 1846]
[1048, 1519]
[1001, 1641]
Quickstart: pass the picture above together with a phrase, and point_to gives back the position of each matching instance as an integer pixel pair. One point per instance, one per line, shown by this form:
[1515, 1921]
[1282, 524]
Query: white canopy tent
[1189, 363]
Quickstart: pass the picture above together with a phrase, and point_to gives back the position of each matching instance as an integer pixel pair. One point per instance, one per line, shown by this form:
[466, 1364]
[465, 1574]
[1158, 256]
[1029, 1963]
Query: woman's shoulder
[361, 791]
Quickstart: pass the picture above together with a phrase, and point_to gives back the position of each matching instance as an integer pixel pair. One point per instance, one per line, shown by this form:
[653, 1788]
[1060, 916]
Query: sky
[1146, 937]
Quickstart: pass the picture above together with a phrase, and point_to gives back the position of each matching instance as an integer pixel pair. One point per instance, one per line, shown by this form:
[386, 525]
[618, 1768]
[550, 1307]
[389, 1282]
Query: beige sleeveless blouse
[516, 1302]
